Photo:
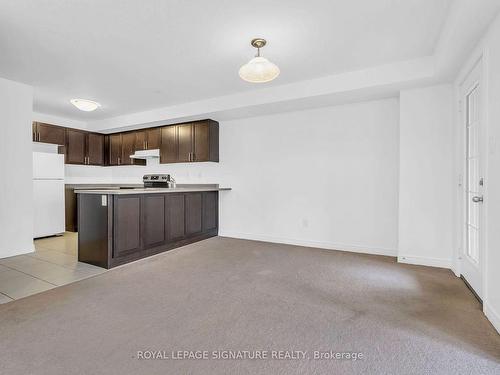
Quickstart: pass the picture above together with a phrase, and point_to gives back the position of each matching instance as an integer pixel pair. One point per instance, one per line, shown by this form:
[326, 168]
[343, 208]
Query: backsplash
[183, 173]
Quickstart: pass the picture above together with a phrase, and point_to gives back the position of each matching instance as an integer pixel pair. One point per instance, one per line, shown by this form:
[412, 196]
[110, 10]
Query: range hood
[146, 154]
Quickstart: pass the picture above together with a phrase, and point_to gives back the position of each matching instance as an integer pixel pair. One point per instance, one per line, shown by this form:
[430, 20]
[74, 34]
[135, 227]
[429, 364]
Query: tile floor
[54, 263]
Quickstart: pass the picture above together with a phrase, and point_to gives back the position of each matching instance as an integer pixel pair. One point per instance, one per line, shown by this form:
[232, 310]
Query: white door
[471, 258]
[48, 166]
[48, 215]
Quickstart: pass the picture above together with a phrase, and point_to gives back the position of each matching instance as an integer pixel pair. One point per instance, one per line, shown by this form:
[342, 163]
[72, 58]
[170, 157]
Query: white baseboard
[492, 315]
[422, 261]
[310, 243]
[12, 253]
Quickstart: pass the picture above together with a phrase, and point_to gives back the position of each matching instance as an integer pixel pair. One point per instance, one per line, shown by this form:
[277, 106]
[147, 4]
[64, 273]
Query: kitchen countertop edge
[150, 190]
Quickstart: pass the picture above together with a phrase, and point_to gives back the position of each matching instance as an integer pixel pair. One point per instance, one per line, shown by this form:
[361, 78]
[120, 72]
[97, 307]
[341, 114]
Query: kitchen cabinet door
[126, 225]
[201, 142]
[210, 211]
[47, 133]
[153, 138]
[75, 146]
[185, 142]
[115, 149]
[140, 140]
[95, 149]
[168, 147]
[153, 213]
[175, 216]
[128, 148]
[194, 212]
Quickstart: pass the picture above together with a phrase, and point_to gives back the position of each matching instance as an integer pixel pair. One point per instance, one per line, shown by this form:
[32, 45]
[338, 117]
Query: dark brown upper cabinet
[168, 148]
[114, 149]
[76, 147]
[141, 140]
[47, 133]
[182, 143]
[84, 148]
[153, 138]
[128, 148]
[185, 142]
[191, 142]
[119, 148]
[95, 149]
[148, 139]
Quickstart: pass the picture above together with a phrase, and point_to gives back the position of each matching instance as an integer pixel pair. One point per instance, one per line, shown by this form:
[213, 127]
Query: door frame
[461, 213]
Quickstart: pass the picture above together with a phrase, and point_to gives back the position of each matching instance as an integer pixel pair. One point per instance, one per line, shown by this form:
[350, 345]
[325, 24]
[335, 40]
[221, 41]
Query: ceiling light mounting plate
[258, 42]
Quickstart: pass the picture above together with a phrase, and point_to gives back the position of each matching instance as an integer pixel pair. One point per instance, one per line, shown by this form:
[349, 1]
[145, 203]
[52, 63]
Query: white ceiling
[134, 55]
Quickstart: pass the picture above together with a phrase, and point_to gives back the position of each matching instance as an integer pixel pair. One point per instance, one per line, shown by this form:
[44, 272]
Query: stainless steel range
[158, 181]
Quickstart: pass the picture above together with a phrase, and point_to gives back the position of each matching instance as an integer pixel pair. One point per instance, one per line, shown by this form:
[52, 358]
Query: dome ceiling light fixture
[259, 69]
[85, 104]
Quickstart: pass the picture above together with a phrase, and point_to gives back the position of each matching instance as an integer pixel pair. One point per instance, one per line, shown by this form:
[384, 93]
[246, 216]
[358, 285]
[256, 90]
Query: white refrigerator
[48, 194]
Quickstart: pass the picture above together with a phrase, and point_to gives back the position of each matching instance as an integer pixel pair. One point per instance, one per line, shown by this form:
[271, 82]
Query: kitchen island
[122, 225]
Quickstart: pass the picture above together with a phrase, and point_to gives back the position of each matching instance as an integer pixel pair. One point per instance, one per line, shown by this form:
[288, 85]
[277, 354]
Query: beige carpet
[227, 294]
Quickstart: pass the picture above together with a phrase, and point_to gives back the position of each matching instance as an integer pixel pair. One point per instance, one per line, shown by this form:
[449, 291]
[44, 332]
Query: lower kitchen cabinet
[154, 231]
[175, 216]
[194, 213]
[210, 211]
[128, 227]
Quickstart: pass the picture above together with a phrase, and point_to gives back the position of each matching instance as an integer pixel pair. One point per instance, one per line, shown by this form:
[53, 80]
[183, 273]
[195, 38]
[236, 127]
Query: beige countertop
[184, 188]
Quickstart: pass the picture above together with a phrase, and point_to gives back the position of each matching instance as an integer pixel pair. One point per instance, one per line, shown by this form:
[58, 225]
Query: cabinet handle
[118, 160]
[145, 145]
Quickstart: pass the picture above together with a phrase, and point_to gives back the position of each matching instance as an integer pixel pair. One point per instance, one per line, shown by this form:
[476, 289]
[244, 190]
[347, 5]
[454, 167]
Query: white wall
[16, 187]
[426, 176]
[325, 177]
[488, 50]
[492, 199]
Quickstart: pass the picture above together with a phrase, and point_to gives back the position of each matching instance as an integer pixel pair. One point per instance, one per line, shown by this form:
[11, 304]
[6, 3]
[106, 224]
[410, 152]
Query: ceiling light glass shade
[85, 105]
[259, 70]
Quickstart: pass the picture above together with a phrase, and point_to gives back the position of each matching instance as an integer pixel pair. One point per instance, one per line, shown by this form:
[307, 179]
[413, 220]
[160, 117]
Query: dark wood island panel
[115, 229]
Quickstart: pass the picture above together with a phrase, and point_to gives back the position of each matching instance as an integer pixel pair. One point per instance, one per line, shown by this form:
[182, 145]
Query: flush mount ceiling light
[259, 69]
[85, 105]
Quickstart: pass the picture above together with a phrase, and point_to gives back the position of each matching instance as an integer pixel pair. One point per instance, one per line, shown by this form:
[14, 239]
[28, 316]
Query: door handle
[477, 199]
